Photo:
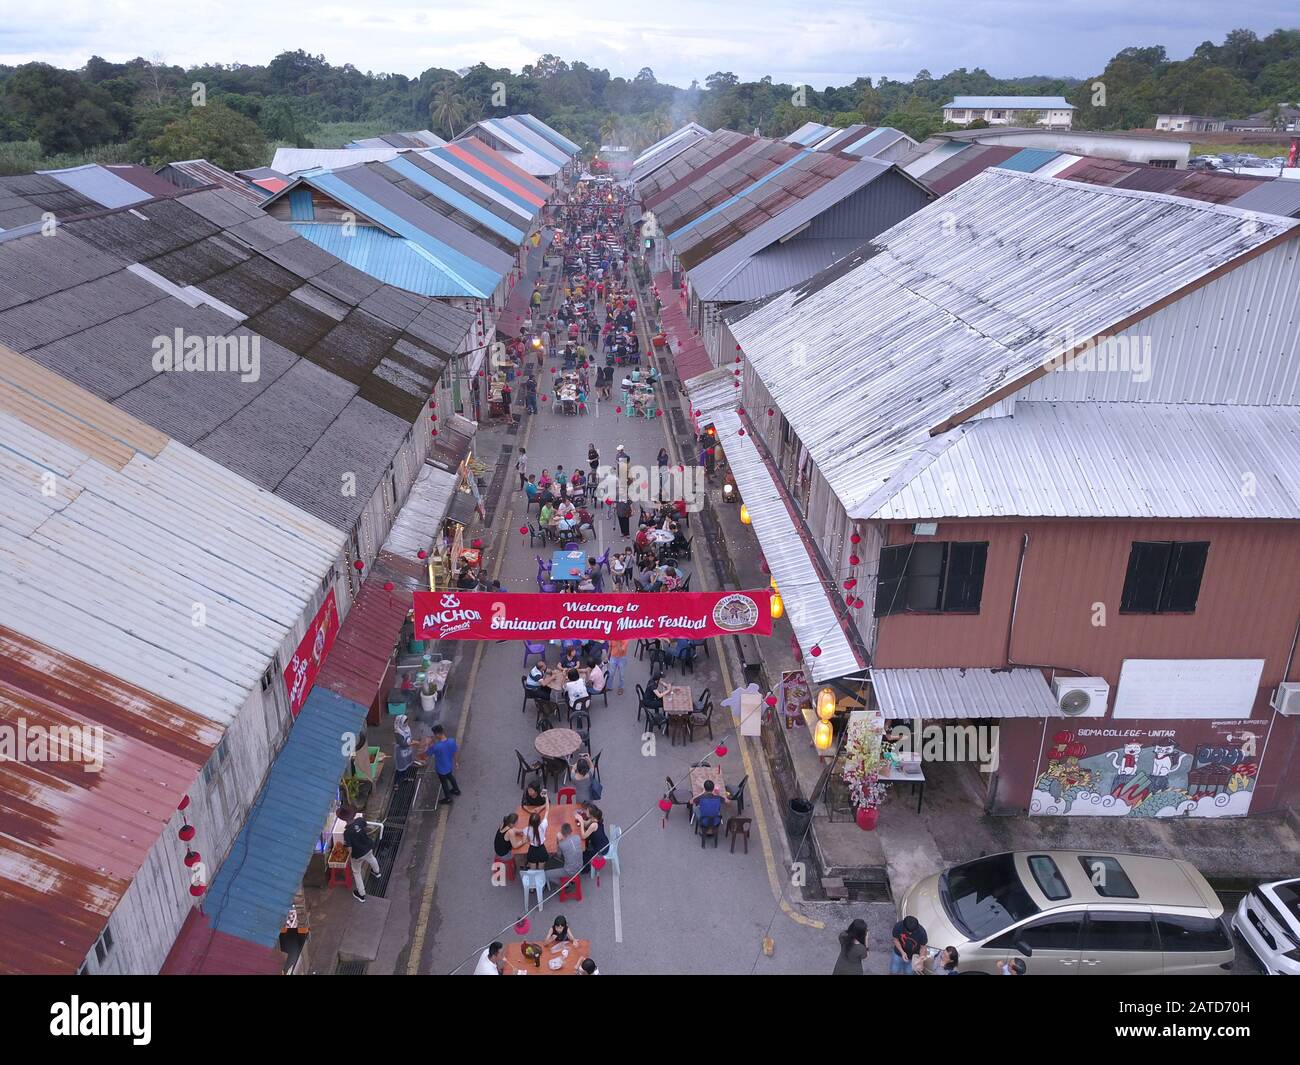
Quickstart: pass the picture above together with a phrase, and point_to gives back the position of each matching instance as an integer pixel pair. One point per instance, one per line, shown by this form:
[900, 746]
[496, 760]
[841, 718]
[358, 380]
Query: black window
[931, 577]
[1179, 933]
[1119, 931]
[1108, 877]
[1164, 577]
[1054, 932]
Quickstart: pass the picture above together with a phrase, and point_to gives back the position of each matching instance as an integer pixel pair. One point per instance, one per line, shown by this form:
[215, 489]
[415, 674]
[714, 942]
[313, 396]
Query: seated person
[536, 679]
[655, 692]
[545, 515]
[467, 579]
[534, 796]
[585, 519]
[708, 807]
[596, 678]
[569, 656]
[574, 687]
[530, 487]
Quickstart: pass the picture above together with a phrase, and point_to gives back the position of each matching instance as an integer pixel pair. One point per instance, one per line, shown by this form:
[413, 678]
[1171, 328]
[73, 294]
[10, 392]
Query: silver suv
[1075, 912]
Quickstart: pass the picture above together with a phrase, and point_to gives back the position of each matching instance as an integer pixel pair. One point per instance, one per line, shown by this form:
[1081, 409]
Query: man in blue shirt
[446, 757]
[708, 807]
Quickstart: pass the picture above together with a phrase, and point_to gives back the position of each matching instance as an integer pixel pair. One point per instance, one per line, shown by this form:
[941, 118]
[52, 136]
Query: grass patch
[24, 157]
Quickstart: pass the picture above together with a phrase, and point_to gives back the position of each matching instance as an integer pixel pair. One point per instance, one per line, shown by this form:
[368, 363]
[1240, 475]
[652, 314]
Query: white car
[1268, 922]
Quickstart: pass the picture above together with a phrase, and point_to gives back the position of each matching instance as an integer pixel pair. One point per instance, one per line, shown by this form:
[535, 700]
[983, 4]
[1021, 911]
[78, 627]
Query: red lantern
[523, 925]
[665, 805]
[852, 582]
[771, 700]
[697, 414]
[737, 358]
[433, 432]
[720, 750]
[816, 652]
[866, 819]
[740, 432]
[192, 858]
[855, 539]
[433, 417]
[186, 833]
[388, 586]
[422, 555]
[476, 544]
[736, 383]
[854, 560]
[598, 862]
[770, 412]
[358, 565]
[658, 413]
[185, 801]
[618, 410]
[523, 530]
[197, 890]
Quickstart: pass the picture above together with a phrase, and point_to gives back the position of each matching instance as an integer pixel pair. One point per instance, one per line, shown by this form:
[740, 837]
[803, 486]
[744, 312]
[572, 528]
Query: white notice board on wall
[1218, 688]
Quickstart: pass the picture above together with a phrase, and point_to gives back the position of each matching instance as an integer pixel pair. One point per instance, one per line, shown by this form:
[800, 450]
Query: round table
[557, 743]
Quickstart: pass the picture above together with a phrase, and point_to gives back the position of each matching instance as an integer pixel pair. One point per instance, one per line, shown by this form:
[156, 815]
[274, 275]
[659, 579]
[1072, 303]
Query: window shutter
[965, 584]
[1183, 584]
[1147, 563]
[889, 582]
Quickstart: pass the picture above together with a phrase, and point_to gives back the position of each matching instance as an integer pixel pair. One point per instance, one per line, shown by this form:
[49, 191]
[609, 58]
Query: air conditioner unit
[1081, 696]
[1286, 699]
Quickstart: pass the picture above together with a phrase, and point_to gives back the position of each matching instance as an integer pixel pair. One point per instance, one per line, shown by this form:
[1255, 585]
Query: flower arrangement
[862, 762]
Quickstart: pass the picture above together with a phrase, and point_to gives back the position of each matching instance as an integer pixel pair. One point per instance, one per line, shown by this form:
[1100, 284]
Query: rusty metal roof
[699, 156]
[709, 189]
[200, 950]
[73, 840]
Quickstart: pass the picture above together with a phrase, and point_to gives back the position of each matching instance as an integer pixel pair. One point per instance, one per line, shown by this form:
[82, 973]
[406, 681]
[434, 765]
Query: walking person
[617, 664]
[362, 857]
[530, 394]
[623, 511]
[403, 756]
[446, 758]
[853, 950]
[506, 397]
[663, 461]
[521, 467]
[593, 460]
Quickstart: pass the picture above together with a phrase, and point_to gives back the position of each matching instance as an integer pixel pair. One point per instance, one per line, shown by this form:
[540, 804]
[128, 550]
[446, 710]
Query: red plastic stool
[571, 889]
[508, 862]
[340, 877]
[566, 796]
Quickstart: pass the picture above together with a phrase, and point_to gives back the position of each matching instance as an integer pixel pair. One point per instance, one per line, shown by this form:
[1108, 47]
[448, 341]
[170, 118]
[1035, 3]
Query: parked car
[1227, 159]
[1250, 160]
[1204, 162]
[1278, 161]
[1073, 911]
[1268, 922]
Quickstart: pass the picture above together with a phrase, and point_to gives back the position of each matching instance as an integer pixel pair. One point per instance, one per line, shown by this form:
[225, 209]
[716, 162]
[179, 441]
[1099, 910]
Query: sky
[830, 42]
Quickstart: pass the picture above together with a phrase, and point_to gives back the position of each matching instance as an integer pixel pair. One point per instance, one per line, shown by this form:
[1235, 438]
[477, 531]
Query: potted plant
[428, 692]
[861, 772]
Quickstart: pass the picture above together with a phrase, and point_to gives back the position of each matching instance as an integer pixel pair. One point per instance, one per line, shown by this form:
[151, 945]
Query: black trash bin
[799, 818]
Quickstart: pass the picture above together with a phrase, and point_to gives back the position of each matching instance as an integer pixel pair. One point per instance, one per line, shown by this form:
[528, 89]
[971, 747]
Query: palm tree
[449, 108]
[608, 127]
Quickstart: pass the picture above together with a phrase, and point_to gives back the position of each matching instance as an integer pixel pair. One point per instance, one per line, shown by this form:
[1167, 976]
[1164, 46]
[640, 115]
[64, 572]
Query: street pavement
[676, 908]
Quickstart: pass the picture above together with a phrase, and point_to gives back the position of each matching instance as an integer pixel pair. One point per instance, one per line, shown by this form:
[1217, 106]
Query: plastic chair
[738, 827]
[702, 719]
[533, 880]
[526, 768]
[679, 725]
[566, 796]
[508, 863]
[611, 853]
[531, 649]
[571, 889]
[738, 796]
[708, 832]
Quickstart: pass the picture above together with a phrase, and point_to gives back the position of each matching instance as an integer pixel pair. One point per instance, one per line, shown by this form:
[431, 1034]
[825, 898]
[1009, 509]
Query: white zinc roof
[663, 150]
[299, 160]
[1040, 103]
[420, 518]
[1110, 460]
[114, 539]
[974, 294]
[809, 604]
[962, 693]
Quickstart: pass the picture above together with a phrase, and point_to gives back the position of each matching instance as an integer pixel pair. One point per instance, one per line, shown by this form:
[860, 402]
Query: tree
[449, 109]
[1028, 117]
[58, 109]
[646, 74]
[213, 132]
[870, 104]
[720, 80]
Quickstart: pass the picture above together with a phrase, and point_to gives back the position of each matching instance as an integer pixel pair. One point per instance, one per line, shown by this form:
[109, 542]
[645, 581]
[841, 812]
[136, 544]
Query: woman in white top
[574, 687]
[535, 837]
[596, 679]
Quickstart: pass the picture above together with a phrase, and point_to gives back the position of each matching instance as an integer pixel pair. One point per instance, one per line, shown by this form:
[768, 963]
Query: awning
[420, 519]
[963, 693]
[780, 530]
[200, 950]
[256, 884]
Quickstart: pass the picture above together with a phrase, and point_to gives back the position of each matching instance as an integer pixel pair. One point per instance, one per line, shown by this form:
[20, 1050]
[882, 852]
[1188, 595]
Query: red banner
[315, 645]
[455, 615]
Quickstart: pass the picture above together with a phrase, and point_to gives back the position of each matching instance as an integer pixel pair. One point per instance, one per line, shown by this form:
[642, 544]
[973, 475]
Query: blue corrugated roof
[455, 199]
[746, 190]
[478, 280]
[255, 885]
[1027, 160]
[879, 133]
[392, 260]
[554, 136]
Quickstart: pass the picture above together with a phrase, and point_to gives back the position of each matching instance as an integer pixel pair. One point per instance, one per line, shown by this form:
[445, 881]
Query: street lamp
[778, 605]
[744, 514]
[823, 733]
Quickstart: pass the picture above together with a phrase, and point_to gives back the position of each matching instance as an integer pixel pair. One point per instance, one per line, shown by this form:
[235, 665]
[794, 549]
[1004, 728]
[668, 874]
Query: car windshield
[985, 896]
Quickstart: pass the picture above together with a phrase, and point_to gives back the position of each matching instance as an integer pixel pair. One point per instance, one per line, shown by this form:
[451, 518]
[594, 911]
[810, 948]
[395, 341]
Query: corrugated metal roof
[74, 839]
[524, 134]
[948, 175]
[763, 230]
[25, 198]
[712, 188]
[873, 144]
[504, 170]
[464, 211]
[347, 364]
[521, 150]
[1029, 160]
[809, 133]
[812, 612]
[706, 152]
[1095, 171]
[1110, 460]
[420, 518]
[942, 322]
[1031, 103]
[1281, 196]
[257, 882]
[1212, 187]
[392, 260]
[110, 566]
[555, 137]
[461, 197]
[99, 184]
[290, 161]
[420, 138]
[775, 267]
[951, 694]
[195, 173]
[456, 177]
[467, 167]
[929, 158]
[712, 391]
[665, 149]
[199, 950]
[1152, 179]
